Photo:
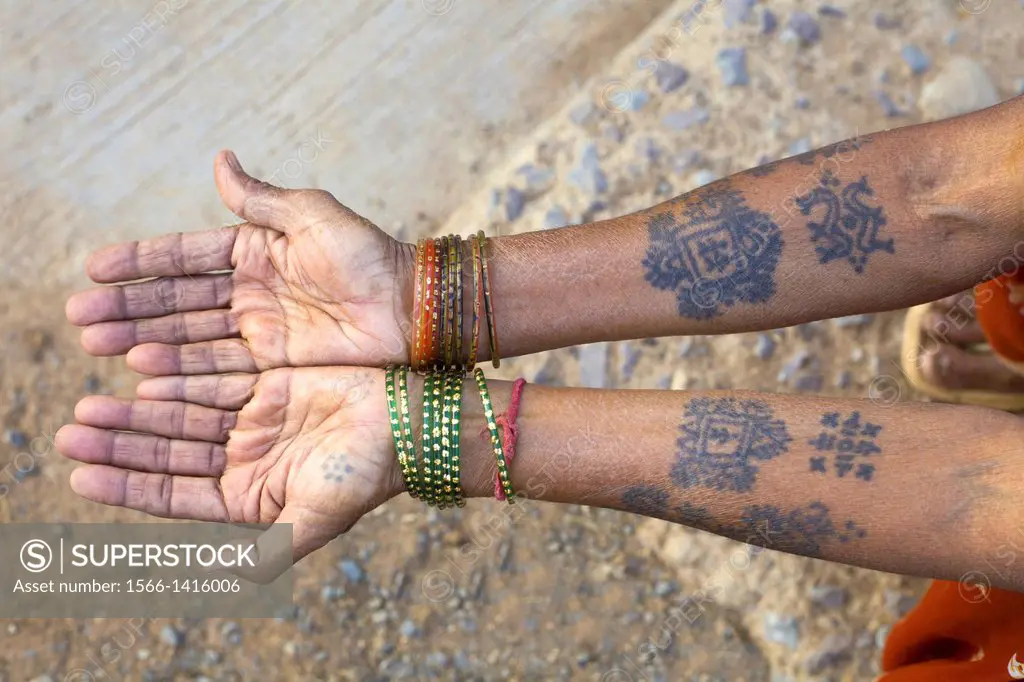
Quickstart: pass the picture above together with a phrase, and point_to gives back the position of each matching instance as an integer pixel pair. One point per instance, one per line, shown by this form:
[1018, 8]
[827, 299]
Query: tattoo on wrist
[850, 146]
[718, 253]
[848, 227]
[722, 442]
[848, 444]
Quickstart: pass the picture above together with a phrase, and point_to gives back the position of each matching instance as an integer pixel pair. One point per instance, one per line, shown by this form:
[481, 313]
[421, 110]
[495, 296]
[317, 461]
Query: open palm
[309, 447]
[311, 283]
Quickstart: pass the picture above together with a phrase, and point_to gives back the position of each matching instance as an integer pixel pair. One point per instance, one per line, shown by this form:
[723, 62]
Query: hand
[318, 285]
[309, 447]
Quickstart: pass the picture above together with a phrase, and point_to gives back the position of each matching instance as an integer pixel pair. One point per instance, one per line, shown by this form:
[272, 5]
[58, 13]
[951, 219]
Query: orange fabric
[999, 307]
[958, 633]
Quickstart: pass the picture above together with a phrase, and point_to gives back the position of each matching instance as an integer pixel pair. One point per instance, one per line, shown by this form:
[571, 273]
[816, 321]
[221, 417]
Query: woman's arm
[875, 223]
[915, 489]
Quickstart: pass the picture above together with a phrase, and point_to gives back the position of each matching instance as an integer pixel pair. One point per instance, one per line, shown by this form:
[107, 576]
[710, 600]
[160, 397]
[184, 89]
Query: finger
[117, 338]
[946, 328]
[160, 418]
[149, 299]
[175, 497]
[182, 253]
[275, 555]
[208, 357]
[140, 452]
[224, 391]
[286, 210]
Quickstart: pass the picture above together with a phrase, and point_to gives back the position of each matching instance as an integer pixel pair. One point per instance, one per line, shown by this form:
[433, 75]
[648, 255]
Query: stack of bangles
[438, 354]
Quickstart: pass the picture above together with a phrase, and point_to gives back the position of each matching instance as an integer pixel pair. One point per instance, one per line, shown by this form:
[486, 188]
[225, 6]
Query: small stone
[801, 359]
[537, 179]
[809, 383]
[853, 320]
[171, 636]
[647, 148]
[732, 65]
[801, 146]
[664, 588]
[881, 635]
[884, 22]
[769, 22]
[961, 87]
[735, 12]
[92, 384]
[805, 27]
[782, 629]
[830, 11]
[829, 596]
[379, 617]
[593, 365]
[15, 438]
[629, 357]
[888, 105]
[704, 177]
[329, 593]
[587, 175]
[582, 113]
[1018, 86]
[765, 346]
[635, 100]
[612, 132]
[952, 37]
[409, 629]
[555, 217]
[844, 379]
[670, 76]
[352, 570]
[681, 120]
[685, 160]
[899, 604]
[835, 649]
[515, 202]
[915, 59]
[802, 102]
[231, 633]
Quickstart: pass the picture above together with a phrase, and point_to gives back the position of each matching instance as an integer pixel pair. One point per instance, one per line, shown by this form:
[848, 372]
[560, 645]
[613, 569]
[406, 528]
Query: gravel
[732, 66]
[782, 629]
[670, 76]
[915, 59]
[805, 27]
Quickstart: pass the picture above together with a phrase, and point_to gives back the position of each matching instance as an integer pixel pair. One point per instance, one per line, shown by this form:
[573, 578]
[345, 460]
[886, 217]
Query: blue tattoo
[719, 253]
[647, 500]
[722, 441]
[848, 228]
[848, 439]
[805, 530]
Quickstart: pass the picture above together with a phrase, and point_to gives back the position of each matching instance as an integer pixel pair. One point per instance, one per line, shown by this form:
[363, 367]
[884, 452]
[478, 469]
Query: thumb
[253, 200]
[295, 534]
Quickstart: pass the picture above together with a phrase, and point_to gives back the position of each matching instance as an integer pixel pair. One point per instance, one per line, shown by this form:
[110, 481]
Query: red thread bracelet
[509, 432]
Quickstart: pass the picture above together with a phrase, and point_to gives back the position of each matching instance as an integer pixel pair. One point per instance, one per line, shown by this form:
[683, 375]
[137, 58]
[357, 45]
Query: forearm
[917, 489]
[929, 210]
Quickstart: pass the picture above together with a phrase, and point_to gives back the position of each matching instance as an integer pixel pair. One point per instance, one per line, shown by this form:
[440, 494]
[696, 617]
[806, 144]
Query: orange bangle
[428, 303]
[488, 305]
[417, 310]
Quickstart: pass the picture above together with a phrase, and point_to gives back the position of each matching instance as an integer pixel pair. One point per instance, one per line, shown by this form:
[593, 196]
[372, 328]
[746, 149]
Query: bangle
[456, 468]
[403, 442]
[429, 275]
[416, 358]
[492, 427]
[474, 343]
[488, 307]
[442, 333]
[460, 361]
[451, 360]
[435, 319]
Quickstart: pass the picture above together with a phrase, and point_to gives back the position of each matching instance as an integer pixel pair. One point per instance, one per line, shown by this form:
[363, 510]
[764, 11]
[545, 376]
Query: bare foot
[309, 447]
[950, 331]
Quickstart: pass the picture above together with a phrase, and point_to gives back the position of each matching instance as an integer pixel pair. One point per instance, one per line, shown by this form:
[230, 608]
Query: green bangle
[445, 489]
[456, 493]
[436, 446]
[410, 443]
[427, 486]
[401, 443]
[492, 426]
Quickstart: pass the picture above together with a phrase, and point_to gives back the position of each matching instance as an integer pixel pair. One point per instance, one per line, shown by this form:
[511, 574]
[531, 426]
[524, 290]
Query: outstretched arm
[875, 223]
[912, 488]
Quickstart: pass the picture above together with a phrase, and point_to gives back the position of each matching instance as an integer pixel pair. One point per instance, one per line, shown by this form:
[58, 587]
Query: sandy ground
[554, 592]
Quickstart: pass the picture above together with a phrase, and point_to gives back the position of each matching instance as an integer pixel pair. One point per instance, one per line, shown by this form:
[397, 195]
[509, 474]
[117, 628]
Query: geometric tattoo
[848, 228]
[723, 440]
[805, 530]
[847, 444]
[720, 252]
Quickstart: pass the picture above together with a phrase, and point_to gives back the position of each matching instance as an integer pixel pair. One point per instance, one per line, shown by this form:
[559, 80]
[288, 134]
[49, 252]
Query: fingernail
[233, 162]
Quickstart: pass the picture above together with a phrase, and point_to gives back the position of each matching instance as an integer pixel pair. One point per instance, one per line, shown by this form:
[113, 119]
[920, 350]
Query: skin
[265, 448]
[317, 285]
